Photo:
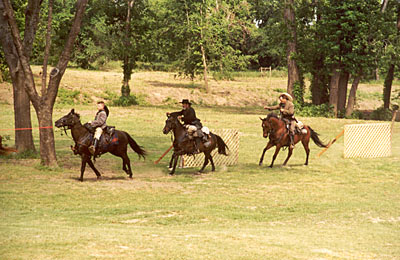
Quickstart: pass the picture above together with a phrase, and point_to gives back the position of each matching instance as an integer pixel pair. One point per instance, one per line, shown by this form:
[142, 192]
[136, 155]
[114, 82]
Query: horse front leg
[212, 164]
[170, 163]
[83, 165]
[278, 148]
[288, 156]
[269, 145]
[206, 156]
[89, 161]
[175, 158]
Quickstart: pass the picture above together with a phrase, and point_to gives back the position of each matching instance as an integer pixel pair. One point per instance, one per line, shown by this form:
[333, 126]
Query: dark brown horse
[278, 134]
[183, 145]
[83, 139]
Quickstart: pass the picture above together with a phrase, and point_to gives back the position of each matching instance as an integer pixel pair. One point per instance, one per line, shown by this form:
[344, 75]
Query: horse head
[170, 124]
[267, 125]
[69, 120]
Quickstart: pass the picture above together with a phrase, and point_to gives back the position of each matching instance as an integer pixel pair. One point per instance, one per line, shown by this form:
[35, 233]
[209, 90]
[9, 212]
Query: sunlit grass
[333, 209]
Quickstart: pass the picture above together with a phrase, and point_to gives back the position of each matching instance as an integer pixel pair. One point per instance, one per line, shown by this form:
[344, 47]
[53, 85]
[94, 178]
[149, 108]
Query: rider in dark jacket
[192, 123]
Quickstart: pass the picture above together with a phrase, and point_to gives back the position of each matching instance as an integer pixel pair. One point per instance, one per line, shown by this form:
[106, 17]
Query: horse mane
[272, 114]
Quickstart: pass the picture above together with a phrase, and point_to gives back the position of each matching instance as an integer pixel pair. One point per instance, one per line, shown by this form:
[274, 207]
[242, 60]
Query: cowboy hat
[287, 95]
[185, 101]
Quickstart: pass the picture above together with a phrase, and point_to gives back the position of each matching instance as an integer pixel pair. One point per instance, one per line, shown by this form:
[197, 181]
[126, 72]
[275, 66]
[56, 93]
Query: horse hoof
[260, 164]
[99, 177]
[171, 173]
[130, 176]
[81, 179]
[270, 166]
[213, 170]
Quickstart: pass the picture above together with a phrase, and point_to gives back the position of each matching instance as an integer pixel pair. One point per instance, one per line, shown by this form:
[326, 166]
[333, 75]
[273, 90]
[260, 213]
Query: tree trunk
[22, 109]
[128, 63]
[293, 70]
[47, 144]
[319, 84]
[205, 72]
[352, 96]
[43, 104]
[342, 92]
[334, 89]
[387, 86]
[22, 115]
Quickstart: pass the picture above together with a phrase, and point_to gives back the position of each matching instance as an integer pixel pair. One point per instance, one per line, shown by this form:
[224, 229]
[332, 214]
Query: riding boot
[197, 146]
[93, 147]
[206, 141]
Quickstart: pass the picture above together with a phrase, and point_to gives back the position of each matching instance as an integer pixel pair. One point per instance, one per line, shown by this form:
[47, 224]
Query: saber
[165, 153]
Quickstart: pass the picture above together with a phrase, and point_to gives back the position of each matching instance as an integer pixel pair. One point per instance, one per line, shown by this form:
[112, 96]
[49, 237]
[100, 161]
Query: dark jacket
[189, 116]
[100, 120]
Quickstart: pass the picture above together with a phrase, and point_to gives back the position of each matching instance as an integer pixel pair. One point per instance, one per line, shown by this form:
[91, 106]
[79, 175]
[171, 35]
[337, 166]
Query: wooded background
[331, 43]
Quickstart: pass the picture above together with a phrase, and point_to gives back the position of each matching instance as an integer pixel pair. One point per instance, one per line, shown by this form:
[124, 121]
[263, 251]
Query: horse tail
[315, 138]
[135, 147]
[221, 145]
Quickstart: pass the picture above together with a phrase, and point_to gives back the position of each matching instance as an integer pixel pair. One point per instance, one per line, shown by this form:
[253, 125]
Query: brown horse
[83, 139]
[183, 145]
[278, 134]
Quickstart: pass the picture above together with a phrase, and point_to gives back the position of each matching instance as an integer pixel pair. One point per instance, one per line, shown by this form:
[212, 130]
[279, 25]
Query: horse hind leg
[126, 165]
[306, 148]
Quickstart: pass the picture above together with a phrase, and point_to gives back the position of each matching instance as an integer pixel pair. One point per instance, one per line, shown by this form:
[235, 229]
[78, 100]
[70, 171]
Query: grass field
[335, 208]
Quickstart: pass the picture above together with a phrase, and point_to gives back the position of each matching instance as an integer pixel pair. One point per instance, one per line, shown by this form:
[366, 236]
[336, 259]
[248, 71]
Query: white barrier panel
[367, 140]
[231, 138]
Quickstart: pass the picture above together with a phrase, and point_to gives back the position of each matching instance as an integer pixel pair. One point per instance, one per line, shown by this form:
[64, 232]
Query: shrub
[131, 100]
[381, 113]
[310, 110]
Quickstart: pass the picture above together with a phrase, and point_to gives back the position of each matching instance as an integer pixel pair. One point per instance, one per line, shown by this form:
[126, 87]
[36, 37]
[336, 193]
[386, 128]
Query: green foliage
[298, 93]
[131, 100]
[381, 114]
[310, 110]
[4, 71]
[71, 97]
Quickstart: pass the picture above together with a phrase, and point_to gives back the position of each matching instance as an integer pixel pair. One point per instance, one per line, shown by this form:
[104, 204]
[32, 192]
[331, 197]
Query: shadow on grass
[102, 178]
[155, 83]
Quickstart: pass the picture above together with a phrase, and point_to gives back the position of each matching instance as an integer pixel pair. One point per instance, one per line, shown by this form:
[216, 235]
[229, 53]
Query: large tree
[43, 101]
[22, 111]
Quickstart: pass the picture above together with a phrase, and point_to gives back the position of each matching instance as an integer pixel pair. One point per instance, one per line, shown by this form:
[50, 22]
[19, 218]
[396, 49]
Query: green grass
[333, 209]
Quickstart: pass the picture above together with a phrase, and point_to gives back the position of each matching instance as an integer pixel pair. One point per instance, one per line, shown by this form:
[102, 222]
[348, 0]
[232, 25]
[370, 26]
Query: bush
[72, 97]
[131, 100]
[310, 110]
[381, 113]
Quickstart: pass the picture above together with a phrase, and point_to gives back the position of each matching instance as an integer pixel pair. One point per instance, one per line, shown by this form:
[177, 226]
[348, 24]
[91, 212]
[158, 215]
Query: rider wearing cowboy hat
[286, 108]
[192, 123]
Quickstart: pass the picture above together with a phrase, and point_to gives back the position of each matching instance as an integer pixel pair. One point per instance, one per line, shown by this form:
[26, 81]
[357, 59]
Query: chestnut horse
[83, 139]
[278, 134]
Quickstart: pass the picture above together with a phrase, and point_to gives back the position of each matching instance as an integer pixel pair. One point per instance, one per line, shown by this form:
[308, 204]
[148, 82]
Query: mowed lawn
[335, 208]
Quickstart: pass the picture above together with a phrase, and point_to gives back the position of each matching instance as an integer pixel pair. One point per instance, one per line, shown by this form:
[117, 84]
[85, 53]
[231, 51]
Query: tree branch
[47, 48]
[57, 73]
[30, 84]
